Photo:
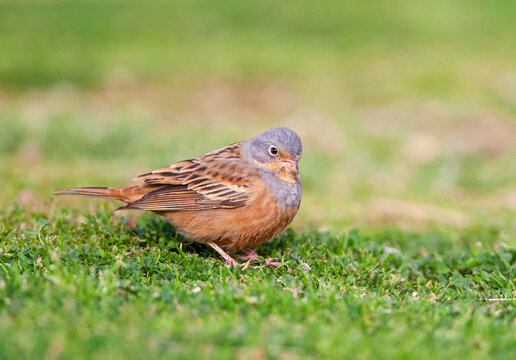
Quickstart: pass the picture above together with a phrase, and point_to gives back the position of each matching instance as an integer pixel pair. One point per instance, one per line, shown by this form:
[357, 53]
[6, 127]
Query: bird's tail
[124, 193]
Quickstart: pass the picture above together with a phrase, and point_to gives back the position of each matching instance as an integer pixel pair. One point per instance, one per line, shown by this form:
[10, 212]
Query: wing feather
[218, 179]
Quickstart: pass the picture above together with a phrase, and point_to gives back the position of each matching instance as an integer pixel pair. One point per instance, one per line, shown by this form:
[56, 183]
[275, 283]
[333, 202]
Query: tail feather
[124, 193]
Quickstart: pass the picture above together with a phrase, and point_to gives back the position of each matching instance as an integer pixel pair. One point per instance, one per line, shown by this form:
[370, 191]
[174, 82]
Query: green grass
[406, 112]
[92, 289]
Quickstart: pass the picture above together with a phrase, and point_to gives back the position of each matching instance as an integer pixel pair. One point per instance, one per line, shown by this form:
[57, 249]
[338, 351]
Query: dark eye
[273, 150]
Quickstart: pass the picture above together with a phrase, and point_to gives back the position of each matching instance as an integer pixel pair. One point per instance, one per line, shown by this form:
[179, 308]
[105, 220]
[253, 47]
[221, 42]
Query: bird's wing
[218, 179]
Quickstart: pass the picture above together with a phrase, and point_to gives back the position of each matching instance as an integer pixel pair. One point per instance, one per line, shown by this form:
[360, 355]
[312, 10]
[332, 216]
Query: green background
[406, 111]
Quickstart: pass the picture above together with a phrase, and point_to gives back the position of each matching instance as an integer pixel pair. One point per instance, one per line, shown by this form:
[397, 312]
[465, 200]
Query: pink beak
[291, 164]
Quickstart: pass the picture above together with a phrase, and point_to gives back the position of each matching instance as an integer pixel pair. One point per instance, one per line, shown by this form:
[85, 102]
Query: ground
[405, 242]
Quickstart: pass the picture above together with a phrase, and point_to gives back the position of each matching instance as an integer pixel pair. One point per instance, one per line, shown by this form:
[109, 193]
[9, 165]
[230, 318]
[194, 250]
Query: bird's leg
[273, 262]
[250, 254]
[222, 253]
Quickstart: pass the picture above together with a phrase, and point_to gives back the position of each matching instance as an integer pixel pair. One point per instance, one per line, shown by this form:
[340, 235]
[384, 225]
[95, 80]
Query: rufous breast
[243, 227]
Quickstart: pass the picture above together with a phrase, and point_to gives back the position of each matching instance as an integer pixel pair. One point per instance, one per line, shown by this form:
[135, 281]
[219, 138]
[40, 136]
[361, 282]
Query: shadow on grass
[155, 231]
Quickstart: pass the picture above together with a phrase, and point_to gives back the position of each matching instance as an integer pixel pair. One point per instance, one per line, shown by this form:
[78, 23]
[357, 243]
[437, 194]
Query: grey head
[274, 144]
[275, 153]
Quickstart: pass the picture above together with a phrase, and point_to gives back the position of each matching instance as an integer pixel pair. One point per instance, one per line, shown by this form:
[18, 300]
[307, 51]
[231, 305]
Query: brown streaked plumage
[236, 197]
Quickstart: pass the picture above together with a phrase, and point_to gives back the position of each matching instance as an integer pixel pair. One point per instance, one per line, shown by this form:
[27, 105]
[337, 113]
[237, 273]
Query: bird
[233, 199]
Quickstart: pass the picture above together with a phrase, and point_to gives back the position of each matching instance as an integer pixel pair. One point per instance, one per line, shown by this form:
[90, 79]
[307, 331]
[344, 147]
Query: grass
[405, 242]
[94, 289]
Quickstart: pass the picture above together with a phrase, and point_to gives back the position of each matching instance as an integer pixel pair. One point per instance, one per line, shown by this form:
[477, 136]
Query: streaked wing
[219, 179]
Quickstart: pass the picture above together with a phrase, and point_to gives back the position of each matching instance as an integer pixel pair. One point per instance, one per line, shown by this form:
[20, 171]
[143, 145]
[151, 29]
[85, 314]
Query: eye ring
[273, 150]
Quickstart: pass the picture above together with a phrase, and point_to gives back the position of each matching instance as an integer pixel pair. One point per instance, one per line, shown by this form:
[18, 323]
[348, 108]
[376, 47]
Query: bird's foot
[271, 262]
[249, 255]
[229, 260]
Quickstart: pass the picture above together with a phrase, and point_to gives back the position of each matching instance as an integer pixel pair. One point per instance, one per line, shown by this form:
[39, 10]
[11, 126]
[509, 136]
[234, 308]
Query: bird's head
[276, 151]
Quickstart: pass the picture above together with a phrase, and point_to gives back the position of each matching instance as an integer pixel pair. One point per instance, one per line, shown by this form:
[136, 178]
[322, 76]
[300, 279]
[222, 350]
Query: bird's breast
[287, 194]
[246, 226]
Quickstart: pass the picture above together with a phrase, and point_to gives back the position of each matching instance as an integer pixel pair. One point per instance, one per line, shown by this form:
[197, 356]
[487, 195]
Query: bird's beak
[291, 164]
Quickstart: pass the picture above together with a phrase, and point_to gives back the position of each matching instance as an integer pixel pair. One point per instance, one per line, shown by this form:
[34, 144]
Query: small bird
[234, 198]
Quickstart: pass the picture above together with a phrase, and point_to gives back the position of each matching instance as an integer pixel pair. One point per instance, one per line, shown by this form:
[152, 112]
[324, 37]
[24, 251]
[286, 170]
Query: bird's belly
[246, 226]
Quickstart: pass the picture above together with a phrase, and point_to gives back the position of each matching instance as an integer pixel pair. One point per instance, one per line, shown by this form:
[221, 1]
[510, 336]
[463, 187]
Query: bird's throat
[288, 176]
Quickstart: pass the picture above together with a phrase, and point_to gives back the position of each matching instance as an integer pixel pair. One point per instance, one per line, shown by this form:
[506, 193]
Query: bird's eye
[273, 150]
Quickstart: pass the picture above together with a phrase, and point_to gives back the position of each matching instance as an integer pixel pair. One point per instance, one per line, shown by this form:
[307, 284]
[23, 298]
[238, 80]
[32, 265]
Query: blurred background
[406, 109]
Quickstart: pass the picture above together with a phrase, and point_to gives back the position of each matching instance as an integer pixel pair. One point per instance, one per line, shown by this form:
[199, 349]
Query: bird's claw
[271, 262]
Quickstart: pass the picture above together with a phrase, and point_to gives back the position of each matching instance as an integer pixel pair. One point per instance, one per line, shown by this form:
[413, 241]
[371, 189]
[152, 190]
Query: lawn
[98, 289]
[405, 243]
